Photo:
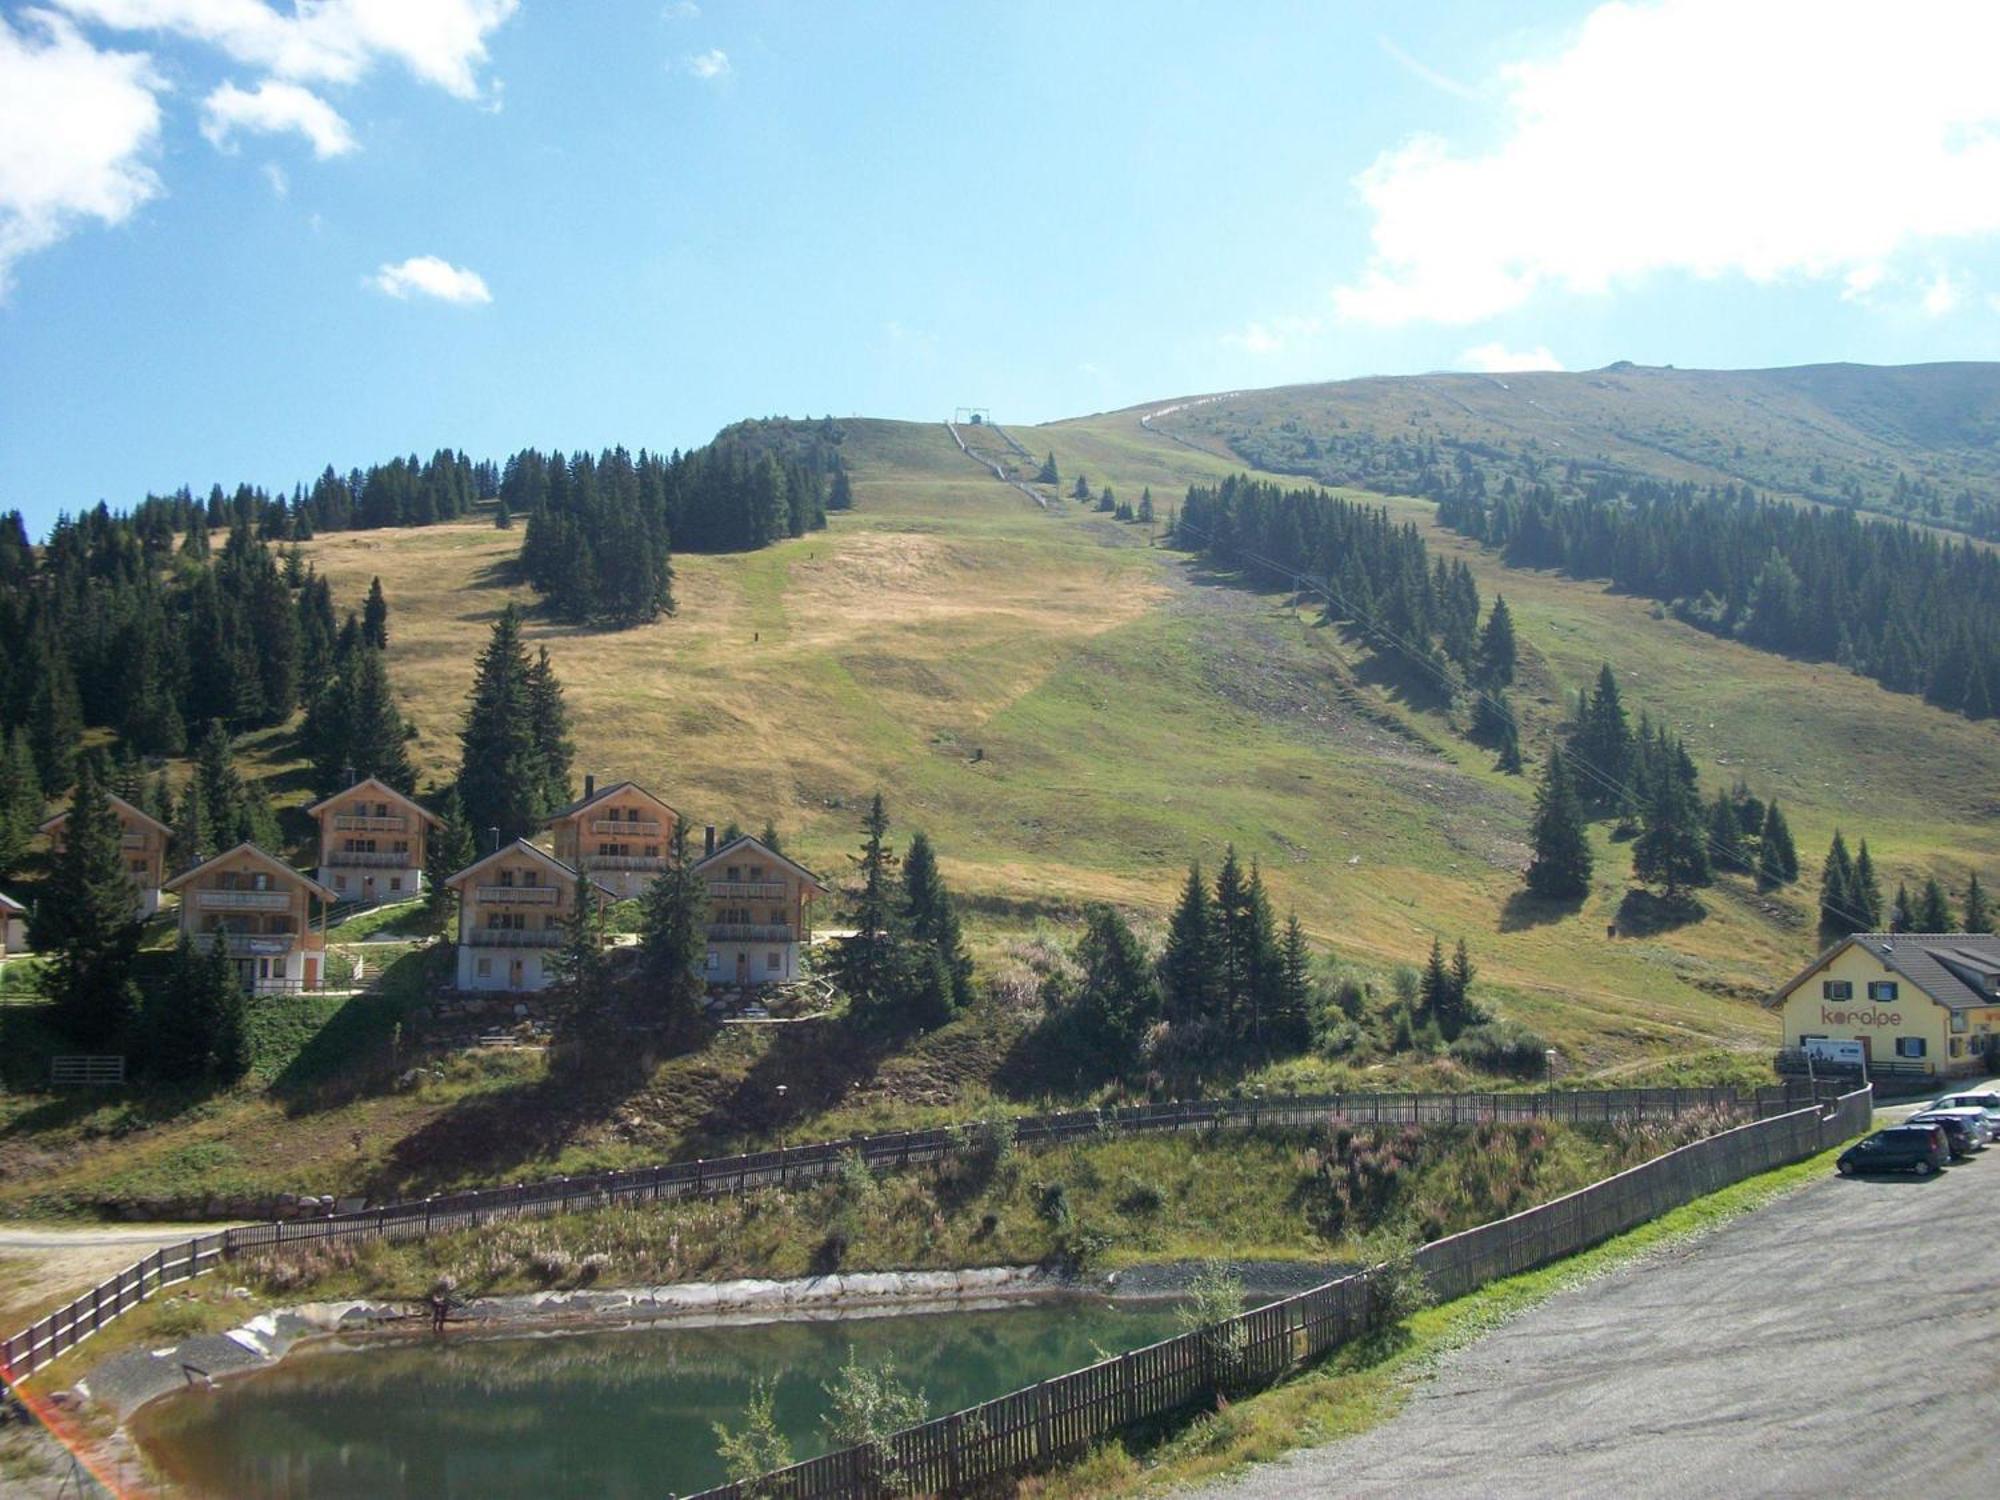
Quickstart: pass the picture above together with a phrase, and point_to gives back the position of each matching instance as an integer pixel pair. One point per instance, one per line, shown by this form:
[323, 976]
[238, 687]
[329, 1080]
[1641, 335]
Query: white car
[1986, 1101]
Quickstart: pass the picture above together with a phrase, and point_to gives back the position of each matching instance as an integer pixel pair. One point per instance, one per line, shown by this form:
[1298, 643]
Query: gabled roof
[743, 840]
[9, 904]
[598, 796]
[1958, 970]
[521, 846]
[383, 787]
[116, 801]
[278, 866]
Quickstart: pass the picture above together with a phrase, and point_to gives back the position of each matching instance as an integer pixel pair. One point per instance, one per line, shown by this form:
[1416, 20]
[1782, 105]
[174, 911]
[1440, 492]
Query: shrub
[759, 1447]
[870, 1405]
[1140, 1196]
[1502, 1047]
[1052, 1203]
[1213, 1306]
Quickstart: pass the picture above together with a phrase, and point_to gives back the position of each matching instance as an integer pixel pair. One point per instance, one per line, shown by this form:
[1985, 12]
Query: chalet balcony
[624, 862]
[253, 944]
[371, 859]
[752, 932]
[746, 890]
[214, 900]
[132, 840]
[621, 825]
[516, 895]
[362, 823]
[515, 937]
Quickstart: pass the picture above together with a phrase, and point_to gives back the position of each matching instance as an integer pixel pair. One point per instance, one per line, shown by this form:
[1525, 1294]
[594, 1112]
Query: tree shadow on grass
[1524, 909]
[1645, 914]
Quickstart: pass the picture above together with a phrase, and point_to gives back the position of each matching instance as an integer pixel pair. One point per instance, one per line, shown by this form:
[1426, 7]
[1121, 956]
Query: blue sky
[236, 244]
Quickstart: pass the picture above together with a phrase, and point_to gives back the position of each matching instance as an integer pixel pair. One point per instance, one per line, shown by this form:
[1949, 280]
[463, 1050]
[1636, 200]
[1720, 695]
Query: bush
[1141, 1197]
[760, 1447]
[1052, 1203]
[1502, 1047]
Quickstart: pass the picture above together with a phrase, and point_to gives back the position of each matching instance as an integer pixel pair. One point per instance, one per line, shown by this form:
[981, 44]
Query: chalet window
[1908, 1046]
[402, 846]
[652, 851]
[777, 917]
[735, 872]
[137, 866]
[1882, 989]
[771, 959]
[1837, 989]
[484, 968]
[340, 882]
[260, 882]
[381, 809]
[395, 882]
[506, 877]
[1957, 1047]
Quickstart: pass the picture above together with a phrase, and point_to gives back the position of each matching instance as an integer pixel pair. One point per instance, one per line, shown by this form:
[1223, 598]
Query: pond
[625, 1412]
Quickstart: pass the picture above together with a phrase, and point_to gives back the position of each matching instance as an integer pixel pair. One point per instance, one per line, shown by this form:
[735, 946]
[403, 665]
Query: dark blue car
[1901, 1148]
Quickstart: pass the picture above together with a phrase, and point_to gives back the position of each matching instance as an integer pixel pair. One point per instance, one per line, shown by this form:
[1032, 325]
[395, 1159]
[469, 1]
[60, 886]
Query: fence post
[1045, 1448]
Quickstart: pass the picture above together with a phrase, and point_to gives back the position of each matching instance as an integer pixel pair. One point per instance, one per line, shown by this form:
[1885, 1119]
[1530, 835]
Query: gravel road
[1842, 1341]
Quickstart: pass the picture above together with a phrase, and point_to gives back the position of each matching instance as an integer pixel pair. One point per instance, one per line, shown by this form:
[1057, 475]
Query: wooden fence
[34, 1347]
[1040, 1425]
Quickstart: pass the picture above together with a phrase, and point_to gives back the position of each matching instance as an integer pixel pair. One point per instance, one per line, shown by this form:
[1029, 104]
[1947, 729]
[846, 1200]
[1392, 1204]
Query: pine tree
[20, 800]
[1902, 916]
[503, 774]
[1047, 474]
[1604, 744]
[1866, 891]
[581, 965]
[1117, 995]
[227, 1007]
[1233, 940]
[1561, 865]
[1434, 1000]
[1837, 903]
[1291, 1016]
[1190, 966]
[1725, 835]
[1507, 756]
[172, 1020]
[865, 963]
[221, 790]
[1497, 650]
[448, 848]
[86, 926]
[552, 741]
[1933, 912]
[1978, 910]
[375, 618]
[931, 918]
[1777, 857]
[675, 944]
[1460, 1011]
[1672, 849]
[190, 845]
[1145, 511]
[1081, 489]
[769, 837]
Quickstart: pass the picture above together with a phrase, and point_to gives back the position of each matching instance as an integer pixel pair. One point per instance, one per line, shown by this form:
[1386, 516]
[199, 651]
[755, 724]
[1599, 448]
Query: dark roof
[1960, 970]
[598, 796]
[762, 848]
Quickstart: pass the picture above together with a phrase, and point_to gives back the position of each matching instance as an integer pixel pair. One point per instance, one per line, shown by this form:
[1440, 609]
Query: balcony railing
[132, 840]
[747, 890]
[624, 862]
[254, 944]
[216, 900]
[621, 825]
[751, 932]
[373, 859]
[517, 895]
[515, 937]
[363, 823]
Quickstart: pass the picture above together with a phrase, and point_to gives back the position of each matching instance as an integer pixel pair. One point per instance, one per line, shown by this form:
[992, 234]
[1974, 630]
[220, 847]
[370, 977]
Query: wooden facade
[371, 843]
[271, 917]
[622, 835]
[142, 842]
[13, 926]
[511, 909]
[759, 913]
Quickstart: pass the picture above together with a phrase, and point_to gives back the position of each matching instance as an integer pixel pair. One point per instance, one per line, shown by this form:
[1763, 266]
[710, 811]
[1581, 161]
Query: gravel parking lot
[1842, 1341]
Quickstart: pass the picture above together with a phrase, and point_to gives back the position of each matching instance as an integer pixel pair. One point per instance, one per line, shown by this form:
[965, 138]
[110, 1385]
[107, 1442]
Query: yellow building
[511, 909]
[759, 912]
[621, 835]
[264, 910]
[1918, 1003]
[371, 842]
[142, 840]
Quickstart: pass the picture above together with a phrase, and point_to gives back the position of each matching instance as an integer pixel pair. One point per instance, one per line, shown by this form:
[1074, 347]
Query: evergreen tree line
[1225, 968]
[1885, 599]
[906, 967]
[1643, 777]
[107, 629]
[1850, 899]
[599, 529]
[402, 492]
[1380, 574]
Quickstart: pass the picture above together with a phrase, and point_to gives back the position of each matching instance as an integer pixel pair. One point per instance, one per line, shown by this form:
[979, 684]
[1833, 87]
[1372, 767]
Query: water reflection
[619, 1413]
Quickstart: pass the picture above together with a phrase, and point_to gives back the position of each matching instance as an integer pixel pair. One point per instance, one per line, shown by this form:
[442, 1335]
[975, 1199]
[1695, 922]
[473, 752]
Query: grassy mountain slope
[1843, 434]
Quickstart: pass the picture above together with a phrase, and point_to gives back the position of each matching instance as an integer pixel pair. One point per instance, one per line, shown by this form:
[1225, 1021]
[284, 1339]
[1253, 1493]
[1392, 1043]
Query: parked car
[1966, 1130]
[1901, 1148]
[1986, 1101]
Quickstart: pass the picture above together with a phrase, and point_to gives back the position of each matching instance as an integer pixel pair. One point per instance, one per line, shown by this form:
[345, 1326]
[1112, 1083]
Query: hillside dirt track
[1841, 1341]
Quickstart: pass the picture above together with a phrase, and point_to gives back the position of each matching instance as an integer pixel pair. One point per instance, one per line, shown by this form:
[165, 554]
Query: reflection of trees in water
[588, 1413]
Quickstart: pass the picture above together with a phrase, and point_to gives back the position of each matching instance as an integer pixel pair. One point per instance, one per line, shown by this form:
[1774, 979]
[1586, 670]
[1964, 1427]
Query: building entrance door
[517, 973]
[742, 968]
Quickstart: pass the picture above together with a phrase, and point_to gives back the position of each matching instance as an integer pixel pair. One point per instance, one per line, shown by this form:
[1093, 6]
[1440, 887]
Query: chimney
[493, 838]
[347, 775]
[708, 840]
[589, 786]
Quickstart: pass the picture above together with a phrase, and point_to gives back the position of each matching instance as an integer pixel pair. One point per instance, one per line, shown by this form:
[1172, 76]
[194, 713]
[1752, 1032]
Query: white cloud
[1272, 337]
[331, 41]
[713, 63]
[1497, 359]
[430, 276]
[1776, 139]
[272, 107]
[281, 185]
[680, 10]
[76, 125]
[1942, 294]
[1859, 285]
